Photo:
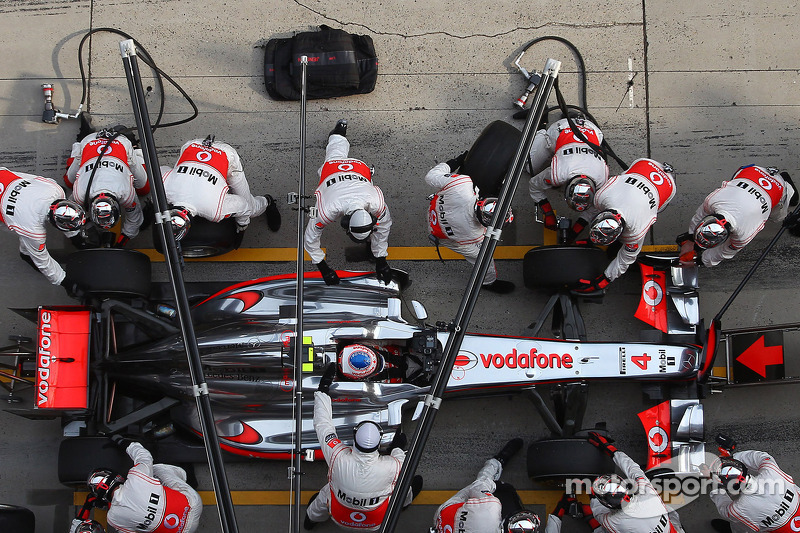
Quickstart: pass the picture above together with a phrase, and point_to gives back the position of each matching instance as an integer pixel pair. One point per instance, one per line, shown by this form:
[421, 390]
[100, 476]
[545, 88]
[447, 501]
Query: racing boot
[499, 286]
[340, 128]
[508, 451]
[273, 215]
[723, 526]
[309, 524]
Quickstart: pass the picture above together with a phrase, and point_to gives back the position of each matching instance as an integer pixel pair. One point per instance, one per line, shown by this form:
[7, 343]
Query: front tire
[556, 267]
[560, 459]
[79, 456]
[110, 272]
[17, 519]
[206, 238]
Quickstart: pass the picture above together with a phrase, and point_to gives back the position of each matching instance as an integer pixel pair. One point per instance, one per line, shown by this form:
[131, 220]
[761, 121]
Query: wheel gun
[533, 81]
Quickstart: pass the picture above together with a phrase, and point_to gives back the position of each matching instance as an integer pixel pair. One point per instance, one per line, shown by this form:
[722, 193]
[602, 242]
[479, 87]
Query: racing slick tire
[206, 238]
[491, 155]
[17, 519]
[78, 456]
[558, 459]
[559, 266]
[110, 272]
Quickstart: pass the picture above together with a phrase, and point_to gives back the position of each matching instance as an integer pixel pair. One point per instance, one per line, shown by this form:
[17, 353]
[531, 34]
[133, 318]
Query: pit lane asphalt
[706, 101]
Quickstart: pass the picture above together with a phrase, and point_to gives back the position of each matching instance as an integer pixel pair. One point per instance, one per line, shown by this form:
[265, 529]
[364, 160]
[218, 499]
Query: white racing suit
[747, 201]
[210, 182]
[451, 215]
[346, 185]
[121, 173]
[154, 498]
[557, 156]
[769, 502]
[473, 509]
[639, 194]
[25, 203]
[359, 484]
[644, 513]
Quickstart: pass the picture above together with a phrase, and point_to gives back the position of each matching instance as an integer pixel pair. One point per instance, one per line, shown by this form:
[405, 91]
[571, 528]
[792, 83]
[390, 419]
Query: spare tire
[17, 519]
[206, 238]
[559, 459]
[559, 266]
[491, 156]
[110, 272]
[78, 456]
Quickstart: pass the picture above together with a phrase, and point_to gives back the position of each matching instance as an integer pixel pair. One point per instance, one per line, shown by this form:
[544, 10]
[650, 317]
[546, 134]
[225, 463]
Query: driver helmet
[360, 362]
[102, 483]
[484, 210]
[579, 193]
[522, 522]
[367, 436]
[712, 231]
[104, 210]
[606, 227]
[611, 490]
[181, 222]
[89, 526]
[731, 474]
[359, 224]
[67, 215]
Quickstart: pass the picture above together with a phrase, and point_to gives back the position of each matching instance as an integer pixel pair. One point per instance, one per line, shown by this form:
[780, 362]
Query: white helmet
[360, 362]
[523, 522]
[67, 215]
[368, 436]
[105, 210]
[606, 227]
[359, 224]
[484, 210]
[181, 222]
[712, 231]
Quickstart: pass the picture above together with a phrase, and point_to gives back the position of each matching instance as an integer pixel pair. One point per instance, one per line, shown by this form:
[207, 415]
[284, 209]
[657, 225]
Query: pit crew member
[360, 479]
[487, 505]
[346, 193]
[731, 216]
[106, 176]
[27, 203]
[629, 204]
[559, 158]
[458, 217]
[208, 181]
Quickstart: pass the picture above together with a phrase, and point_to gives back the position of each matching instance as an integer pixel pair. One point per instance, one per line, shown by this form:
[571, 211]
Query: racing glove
[121, 442]
[457, 161]
[328, 274]
[602, 443]
[576, 229]
[563, 505]
[384, 273]
[399, 441]
[273, 215]
[586, 509]
[327, 378]
[550, 221]
[796, 196]
[597, 284]
[70, 287]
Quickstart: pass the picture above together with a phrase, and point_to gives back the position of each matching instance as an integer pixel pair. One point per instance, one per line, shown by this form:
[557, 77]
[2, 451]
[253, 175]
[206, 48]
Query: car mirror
[420, 313]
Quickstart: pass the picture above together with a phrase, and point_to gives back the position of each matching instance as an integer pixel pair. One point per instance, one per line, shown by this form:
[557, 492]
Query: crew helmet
[102, 482]
[104, 210]
[67, 215]
[484, 210]
[359, 224]
[611, 490]
[181, 221]
[368, 436]
[579, 193]
[731, 473]
[606, 227]
[89, 526]
[522, 522]
[712, 231]
[360, 362]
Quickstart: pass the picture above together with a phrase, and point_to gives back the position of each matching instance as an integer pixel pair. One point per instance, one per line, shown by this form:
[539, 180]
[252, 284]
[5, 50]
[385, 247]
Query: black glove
[327, 378]
[602, 443]
[121, 441]
[399, 441]
[563, 505]
[273, 215]
[726, 444]
[384, 273]
[791, 220]
[550, 221]
[70, 287]
[596, 284]
[457, 161]
[148, 215]
[328, 274]
[79, 242]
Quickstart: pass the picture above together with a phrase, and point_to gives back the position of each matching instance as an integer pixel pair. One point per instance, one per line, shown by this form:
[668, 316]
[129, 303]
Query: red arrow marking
[758, 356]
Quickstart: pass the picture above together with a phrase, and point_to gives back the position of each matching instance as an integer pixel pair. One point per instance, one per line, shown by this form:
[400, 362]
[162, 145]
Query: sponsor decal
[465, 360]
[530, 359]
[657, 439]
[776, 517]
[12, 196]
[203, 156]
[359, 502]
[332, 441]
[632, 247]
[171, 521]
[151, 511]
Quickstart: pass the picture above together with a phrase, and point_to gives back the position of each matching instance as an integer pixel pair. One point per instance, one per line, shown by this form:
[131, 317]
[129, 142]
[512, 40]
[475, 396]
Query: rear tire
[17, 519]
[491, 155]
[206, 238]
[556, 267]
[110, 272]
[78, 456]
[559, 459]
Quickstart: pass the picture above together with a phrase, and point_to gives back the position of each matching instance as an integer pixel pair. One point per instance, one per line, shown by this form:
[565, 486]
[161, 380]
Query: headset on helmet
[367, 436]
[731, 474]
[89, 526]
[712, 231]
[606, 227]
[484, 210]
[359, 224]
[611, 490]
[67, 215]
[579, 193]
[522, 522]
[102, 482]
[181, 221]
[104, 210]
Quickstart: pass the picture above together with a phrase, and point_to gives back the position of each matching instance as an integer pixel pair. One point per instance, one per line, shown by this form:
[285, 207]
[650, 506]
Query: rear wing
[62, 357]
